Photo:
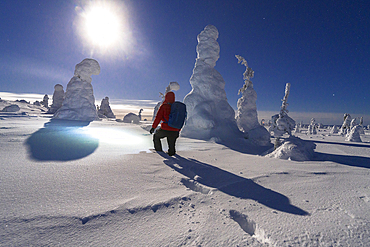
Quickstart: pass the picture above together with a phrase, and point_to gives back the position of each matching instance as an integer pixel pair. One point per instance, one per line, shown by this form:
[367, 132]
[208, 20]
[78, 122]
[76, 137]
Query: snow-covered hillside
[101, 185]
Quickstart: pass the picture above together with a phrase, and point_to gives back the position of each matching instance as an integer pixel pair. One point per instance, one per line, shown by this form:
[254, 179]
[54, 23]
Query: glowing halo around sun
[103, 27]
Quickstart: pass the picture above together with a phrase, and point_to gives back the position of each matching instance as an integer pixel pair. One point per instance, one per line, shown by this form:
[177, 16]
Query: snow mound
[294, 148]
[11, 108]
[131, 118]
[79, 101]
[209, 113]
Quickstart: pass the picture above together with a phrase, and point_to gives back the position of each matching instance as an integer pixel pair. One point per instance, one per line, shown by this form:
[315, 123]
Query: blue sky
[321, 47]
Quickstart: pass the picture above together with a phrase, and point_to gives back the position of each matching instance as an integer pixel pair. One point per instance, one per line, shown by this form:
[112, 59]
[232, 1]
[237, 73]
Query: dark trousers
[171, 140]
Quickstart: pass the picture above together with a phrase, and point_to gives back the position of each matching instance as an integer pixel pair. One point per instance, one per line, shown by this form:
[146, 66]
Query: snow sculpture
[346, 124]
[312, 128]
[58, 97]
[209, 113]
[131, 118]
[281, 123]
[45, 101]
[104, 111]
[172, 86]
[354, 134]
[246, 117]
[333, 130]
[294, 148]
[79, 101]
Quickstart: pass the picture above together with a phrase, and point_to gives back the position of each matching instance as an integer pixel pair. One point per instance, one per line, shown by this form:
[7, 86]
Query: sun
[104, 27]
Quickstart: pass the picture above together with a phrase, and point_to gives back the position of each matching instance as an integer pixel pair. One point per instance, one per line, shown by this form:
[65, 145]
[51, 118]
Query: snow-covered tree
[282, 123]
[297, 129]
[104, 111]
[79, 100]
[246, 116]
[333, 130]
[354, 134]
[346, 124]
[312, 128]
[209, 113]
[45, 101]
[141, 110]
[362, 131]
[58, 97]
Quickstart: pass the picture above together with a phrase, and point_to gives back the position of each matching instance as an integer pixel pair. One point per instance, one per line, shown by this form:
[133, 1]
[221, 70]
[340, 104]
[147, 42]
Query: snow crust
[79, 101]
[209, 113]
[100, 184]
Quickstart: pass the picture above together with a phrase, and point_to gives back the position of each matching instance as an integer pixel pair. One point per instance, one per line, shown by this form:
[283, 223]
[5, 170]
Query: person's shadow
[61, 140]
[230, 183]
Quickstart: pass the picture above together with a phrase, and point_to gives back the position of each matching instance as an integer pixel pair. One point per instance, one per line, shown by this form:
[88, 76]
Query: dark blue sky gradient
[321, 47]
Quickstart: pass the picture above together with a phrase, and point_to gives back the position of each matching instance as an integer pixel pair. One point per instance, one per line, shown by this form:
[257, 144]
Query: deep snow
[100, 184]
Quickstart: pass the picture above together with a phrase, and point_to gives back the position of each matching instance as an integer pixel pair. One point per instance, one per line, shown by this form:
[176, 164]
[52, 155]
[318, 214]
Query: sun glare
[103, 27]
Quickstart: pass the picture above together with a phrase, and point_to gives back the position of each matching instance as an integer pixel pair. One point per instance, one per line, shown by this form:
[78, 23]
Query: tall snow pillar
[209, 113]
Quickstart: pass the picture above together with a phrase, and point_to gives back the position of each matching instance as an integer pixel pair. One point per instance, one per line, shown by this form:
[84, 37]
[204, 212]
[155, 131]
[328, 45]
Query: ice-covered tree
[209, 113]
[246, 116]
[346, 124]
[281, 123]
[362, 131]
[354, 134]
[297, 129]
[312, 128]
[79, 100]
[333, 130]
[58, 97]
[104, 111]
[45, 101]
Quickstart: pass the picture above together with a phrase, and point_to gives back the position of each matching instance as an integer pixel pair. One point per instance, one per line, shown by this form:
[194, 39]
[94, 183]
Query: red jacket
[164, 113]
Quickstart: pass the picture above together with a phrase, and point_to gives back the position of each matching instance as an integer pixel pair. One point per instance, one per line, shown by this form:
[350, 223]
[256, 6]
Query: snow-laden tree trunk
[246, 116]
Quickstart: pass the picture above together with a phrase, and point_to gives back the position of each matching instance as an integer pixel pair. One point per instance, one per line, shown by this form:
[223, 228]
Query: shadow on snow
[349, 160]
[231, 184]
[61, 140]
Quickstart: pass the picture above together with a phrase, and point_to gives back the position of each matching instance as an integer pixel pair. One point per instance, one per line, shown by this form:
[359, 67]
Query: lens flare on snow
[112, 136]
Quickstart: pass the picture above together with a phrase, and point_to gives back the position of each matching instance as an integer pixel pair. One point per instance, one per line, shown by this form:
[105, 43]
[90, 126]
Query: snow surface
[101, 185]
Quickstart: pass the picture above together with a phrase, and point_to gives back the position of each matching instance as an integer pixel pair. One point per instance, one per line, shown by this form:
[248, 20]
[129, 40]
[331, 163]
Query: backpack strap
[166, 121]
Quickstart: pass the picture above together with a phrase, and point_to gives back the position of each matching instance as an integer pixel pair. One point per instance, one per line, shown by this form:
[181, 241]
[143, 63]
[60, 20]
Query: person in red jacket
[165, 131]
